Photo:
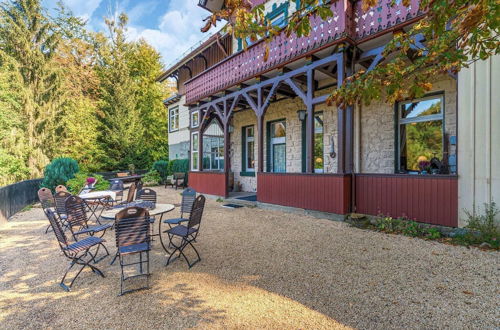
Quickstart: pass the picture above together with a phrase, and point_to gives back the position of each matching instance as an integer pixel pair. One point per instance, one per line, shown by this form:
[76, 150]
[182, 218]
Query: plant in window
[425, 166]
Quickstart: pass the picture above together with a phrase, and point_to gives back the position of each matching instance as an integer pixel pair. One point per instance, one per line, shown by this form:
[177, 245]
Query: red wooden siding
[320, 192]
[429, 199]
[211, 183]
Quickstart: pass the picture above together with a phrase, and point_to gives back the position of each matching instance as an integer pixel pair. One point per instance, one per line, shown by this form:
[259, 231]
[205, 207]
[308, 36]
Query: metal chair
[188, 197]
[138, 188]
[60, 207]
[133, 237]
[78, 220]
[188, 233]
[47, 201]
[60, 188]
[147, 195]
[117, 187]
[78, 252]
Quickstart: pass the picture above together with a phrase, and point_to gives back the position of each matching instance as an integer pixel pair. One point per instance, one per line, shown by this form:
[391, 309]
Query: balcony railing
[349, 21]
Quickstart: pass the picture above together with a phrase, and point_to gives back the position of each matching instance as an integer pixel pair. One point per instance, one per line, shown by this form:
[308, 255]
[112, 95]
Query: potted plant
[425, 166]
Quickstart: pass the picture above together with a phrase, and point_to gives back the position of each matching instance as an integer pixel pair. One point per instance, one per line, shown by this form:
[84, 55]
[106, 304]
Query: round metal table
[160, 209]
[98, 198]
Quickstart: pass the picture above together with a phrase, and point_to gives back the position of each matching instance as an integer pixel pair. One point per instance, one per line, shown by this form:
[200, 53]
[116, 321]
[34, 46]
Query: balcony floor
[259, 269]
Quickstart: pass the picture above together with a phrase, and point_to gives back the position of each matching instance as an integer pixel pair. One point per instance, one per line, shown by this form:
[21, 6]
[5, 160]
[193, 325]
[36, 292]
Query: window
[277, 146]
[420, 131]
[278, 17]
[195, 119]
[248, 151]
[319, 144]
[213, 148]
[173, 119]
[194, 151]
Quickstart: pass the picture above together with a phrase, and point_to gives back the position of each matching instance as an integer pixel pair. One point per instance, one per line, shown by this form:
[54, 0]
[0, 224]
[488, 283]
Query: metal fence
[15, 197]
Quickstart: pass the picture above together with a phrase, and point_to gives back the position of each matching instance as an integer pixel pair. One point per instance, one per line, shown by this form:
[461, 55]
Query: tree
[457, 33]
[27, 40]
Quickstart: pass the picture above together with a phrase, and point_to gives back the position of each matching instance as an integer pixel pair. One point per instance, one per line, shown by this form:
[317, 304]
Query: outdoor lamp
[302, 114]
[230, 129]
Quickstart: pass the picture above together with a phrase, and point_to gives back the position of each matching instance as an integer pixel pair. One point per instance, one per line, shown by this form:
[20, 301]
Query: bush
[180, 165]
[80, 180]
[59, 171]
[483, 228]
[161, 166]
[152, 178]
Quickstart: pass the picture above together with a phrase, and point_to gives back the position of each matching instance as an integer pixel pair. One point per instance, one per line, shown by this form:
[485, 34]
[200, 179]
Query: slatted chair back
[188, 197]
[196, 212]
[132, 226]
[60, 199]
[116, 185]
[131, 192]
[76, 210]
[46, 198]
[57, 227]
[138, 188]
[147, 195]
[61, 188]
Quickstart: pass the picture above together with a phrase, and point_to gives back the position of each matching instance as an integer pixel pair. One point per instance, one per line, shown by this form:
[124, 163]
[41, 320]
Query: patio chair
[61, 188]
[60, 207]
[147, 195]
[133, 237]
[188, 233]
[76, 210]
[188, 197]
[78, 252]
[138, 188]
[169, 181]
[47, 201]
[117, 187]
[178, 180]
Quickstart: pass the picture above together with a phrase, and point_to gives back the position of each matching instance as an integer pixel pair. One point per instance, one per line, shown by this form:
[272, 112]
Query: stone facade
[287, 110]
[377, 130]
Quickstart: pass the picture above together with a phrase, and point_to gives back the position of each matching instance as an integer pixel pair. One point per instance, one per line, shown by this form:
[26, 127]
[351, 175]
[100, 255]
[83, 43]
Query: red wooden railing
[348, 21]
[212, 183]
[430, 199]
[320, 192]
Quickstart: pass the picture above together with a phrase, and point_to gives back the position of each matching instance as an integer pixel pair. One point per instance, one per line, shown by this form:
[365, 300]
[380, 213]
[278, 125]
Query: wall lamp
[302, 114]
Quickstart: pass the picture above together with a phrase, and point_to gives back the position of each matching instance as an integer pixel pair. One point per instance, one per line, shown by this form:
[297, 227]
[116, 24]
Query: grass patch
[27, 208]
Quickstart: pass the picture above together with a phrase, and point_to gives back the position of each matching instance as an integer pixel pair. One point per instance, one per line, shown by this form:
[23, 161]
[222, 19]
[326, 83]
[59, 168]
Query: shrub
[80, 180]
[161, 166]
[411, 228]
[59, 171]
[180, 165]
[483, 228]
[388, 224]
[152, 178]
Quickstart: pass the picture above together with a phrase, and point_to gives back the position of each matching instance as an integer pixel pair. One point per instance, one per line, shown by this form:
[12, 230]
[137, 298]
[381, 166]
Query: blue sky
[171, 26]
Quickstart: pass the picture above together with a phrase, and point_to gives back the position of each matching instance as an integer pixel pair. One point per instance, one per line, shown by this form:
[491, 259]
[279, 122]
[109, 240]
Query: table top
[159, 209]
[99, 194]
[129, 177]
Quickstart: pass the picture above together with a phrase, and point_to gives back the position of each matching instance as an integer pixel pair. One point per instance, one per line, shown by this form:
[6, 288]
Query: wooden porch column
[310, 122]
[341, 140]
[227, 161]
[349, 139]
[260, 141]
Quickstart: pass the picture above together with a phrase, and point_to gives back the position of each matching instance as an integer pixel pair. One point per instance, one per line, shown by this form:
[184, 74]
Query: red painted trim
[320, 192]
[423, 198]
[212, 183]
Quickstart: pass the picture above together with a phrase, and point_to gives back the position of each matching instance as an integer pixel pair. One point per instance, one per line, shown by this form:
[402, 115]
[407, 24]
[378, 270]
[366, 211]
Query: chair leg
[78, 260]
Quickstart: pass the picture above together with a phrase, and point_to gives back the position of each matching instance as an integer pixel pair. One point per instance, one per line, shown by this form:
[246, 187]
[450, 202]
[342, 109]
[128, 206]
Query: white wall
[182, 134]
[478, 136]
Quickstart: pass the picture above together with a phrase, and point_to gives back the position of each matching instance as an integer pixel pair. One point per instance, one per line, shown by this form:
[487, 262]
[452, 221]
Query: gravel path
[260, 269]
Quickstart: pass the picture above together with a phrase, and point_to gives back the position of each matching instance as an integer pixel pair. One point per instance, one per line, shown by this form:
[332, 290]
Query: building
[263, 126]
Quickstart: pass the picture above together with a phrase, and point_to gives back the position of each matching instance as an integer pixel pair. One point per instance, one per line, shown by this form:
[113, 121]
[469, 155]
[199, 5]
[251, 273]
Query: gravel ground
[260, 269]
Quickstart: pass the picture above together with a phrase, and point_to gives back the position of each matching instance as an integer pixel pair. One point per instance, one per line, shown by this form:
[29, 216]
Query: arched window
[213, 148]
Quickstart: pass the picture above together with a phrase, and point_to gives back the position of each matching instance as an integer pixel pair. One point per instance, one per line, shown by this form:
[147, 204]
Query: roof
[188, 55]
[172, 99]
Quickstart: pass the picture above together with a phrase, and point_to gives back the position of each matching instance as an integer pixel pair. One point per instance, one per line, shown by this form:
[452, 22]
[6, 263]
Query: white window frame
[172, 112]
[193, 123]
[195, 165]
[277, 140]
[249, 139]
[322, 131]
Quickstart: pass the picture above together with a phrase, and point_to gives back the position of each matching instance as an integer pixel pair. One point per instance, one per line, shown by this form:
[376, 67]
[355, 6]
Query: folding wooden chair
[61, 188]
[47, 201]
[188, 233]
[78, 252]
[132, 237]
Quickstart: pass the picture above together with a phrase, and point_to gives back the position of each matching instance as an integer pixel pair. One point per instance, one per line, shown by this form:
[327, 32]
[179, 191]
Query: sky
[171, 26]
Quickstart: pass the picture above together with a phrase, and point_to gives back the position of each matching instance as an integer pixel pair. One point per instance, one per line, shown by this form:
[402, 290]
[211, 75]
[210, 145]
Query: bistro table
[129, 178]
[98, 198]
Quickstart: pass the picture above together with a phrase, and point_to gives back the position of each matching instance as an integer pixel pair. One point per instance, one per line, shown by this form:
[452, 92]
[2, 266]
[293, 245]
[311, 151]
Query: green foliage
[411, 228]
[152, 178]
[59, 171]
[388, 224]
[180, 166]
[483, 228]
[161, 166]
[75, 184]
[405, 227]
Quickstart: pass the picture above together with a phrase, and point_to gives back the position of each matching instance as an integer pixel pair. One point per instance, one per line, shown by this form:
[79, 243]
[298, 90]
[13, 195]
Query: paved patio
[260, 269]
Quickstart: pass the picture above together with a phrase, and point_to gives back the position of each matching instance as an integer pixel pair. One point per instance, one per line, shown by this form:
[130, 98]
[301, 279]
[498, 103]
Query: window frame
[170, 110]
[304, 137]
[195, 165]
[197, 124]
[245, 171]
[270, 144]
[218, 154]
[406, 121]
